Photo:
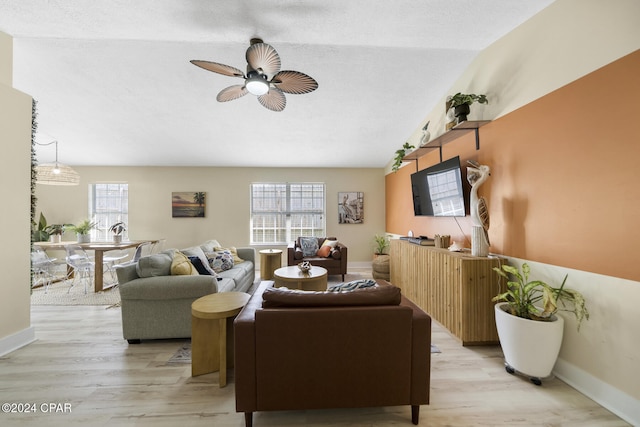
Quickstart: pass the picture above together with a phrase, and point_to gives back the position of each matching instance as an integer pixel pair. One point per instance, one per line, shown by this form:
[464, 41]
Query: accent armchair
[335, 260]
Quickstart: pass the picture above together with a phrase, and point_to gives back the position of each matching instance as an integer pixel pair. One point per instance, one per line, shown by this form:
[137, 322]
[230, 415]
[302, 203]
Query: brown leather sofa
[298, 350]
[335, 263]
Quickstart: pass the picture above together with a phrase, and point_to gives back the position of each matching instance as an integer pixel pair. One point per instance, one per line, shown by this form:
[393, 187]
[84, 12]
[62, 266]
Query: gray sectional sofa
[157, 304]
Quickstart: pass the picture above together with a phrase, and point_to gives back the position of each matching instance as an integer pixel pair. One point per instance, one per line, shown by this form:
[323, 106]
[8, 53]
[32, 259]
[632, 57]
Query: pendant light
[56, 173]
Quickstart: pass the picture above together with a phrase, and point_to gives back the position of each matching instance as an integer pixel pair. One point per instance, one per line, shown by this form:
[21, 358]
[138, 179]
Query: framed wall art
[188, 204]
[351, 207]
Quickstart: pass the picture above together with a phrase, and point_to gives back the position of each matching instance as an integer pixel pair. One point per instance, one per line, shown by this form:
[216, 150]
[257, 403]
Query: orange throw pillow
[324, 251]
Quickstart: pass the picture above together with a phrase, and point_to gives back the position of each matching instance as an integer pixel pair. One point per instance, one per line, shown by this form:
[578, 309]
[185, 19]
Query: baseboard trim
[616, 401]
[18, 340]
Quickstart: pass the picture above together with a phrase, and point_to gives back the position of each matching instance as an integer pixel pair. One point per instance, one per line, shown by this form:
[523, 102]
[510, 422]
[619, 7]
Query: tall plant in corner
[530, 333]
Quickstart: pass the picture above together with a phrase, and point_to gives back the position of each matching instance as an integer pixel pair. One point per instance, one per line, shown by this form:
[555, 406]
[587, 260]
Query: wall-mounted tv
[438, 190]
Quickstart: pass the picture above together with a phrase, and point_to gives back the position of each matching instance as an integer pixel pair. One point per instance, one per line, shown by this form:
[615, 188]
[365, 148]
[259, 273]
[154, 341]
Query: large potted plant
[82, 230]
[461, 104]
[530, 332]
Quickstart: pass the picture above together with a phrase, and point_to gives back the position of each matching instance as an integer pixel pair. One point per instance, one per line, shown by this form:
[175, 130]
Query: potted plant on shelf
[397, 161]
[118, 229]
[82, 230]
[530, 332]
[461, 103]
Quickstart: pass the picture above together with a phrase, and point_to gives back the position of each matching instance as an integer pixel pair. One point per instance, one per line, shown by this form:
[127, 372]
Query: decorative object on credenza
[442, 241]
[397, 160]
[461, 104]
[351, 207]
[305, 267]
[530, 332]
[476, 175]
[188, 204]
[118, 229]
[263, 79]
[456, 247]
[426, 135]
[83, 229]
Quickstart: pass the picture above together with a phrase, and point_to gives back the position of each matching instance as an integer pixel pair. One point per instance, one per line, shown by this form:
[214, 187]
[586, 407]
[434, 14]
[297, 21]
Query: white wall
[15, 136]
[564, 42]
[227, 202]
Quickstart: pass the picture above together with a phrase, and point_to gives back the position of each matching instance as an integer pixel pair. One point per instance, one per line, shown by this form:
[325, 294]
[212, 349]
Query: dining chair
[110, 260]
[81, 264]
[42, 268]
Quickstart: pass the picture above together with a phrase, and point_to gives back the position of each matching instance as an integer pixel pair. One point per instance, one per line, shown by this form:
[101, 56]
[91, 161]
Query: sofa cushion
[220, 260]
[201, 268]
[234, 253]
[197, 251]
[209, 245]
[324, 251]
[332, 243]
[375, 295]
[154, 265]
[353, 285]
[309, 246]
[181, 266]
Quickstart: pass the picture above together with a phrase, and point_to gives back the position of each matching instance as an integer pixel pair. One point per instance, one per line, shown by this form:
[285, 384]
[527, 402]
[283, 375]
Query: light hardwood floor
[80, 359]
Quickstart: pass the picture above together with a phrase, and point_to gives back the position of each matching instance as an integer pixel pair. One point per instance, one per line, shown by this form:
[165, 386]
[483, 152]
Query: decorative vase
[530, 347]
[305, 267]
[461, 112]
[84, 238]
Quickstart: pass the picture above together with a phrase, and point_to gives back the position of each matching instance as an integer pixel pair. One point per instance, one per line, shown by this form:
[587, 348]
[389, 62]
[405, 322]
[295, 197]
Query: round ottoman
[381, 267]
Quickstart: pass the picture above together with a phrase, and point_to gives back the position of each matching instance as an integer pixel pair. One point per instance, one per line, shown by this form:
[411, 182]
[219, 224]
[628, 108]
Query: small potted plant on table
[530, 332]
[82, 230]
[56, 231]
[118, 229]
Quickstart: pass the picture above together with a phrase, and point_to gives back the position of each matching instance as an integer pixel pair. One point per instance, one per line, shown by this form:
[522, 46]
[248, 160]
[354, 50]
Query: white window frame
[282, 211]
[108, 204]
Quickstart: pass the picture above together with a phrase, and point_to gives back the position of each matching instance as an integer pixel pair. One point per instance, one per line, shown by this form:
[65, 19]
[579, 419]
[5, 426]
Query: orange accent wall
[564, 186]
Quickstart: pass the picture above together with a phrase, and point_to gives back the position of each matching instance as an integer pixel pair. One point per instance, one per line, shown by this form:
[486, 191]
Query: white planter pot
[530, 347]
[84, 238]
[117, 238]
[55, 238]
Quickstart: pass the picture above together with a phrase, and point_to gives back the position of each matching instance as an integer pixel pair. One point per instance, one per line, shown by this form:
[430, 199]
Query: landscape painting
[188, 204]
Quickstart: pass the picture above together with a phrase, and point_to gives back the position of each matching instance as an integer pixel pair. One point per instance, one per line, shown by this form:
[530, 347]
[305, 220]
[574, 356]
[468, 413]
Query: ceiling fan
[263, 79]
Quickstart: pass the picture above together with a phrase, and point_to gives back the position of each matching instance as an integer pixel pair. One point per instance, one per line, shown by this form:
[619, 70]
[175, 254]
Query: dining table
[99, 248]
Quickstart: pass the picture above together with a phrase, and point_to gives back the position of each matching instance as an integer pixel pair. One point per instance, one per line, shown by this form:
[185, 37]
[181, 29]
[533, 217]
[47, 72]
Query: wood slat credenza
[455, 288]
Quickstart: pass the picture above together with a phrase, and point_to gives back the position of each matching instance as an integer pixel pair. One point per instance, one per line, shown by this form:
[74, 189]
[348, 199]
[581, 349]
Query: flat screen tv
[438, 190]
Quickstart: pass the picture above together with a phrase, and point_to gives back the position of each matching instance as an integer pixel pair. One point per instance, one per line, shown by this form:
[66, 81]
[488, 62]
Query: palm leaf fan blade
[225, 70]
[294, 82]
[274, 100]
[263, 57]
[232, 92]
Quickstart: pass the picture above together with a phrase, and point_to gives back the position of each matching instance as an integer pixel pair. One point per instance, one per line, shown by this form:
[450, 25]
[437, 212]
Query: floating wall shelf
[454, 133]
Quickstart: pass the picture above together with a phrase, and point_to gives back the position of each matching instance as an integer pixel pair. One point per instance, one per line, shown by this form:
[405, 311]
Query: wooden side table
[209, 317]
[270, 261]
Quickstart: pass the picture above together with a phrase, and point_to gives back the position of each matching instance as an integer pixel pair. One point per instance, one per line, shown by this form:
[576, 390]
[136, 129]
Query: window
[108, 204]
[280, 212]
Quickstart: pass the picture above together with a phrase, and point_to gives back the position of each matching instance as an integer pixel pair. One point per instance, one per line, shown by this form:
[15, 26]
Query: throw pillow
[331, 243]
[354, 284]
[197, 251]
[324, 251]
[202, 269]
[309, 246]
[210, 245]
[181, 266]
[234, 252]
[220, 260]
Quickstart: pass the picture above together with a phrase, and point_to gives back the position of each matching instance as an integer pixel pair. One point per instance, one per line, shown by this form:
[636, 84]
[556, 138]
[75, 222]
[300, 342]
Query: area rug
[58, 293]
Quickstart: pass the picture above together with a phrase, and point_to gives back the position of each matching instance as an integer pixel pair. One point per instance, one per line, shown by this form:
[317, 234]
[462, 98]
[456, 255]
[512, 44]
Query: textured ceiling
[115, 87]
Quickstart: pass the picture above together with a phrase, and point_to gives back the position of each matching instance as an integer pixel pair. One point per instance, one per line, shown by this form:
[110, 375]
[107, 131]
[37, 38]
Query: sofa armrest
[126, 273]
[247, 254]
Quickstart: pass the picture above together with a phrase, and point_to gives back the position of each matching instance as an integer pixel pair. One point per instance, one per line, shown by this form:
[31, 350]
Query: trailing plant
[537, 300]
[118, 228]
[397, 161]
[382, 243]
[84, 227]
[464, 98]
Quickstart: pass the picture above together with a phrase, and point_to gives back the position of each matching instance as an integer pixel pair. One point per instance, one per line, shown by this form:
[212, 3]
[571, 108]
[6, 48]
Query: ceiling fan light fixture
[257, 84]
